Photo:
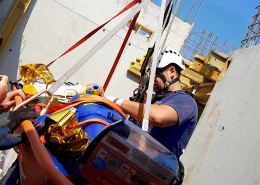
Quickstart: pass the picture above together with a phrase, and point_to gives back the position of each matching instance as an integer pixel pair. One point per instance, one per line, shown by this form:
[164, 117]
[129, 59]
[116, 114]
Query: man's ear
[172, 72]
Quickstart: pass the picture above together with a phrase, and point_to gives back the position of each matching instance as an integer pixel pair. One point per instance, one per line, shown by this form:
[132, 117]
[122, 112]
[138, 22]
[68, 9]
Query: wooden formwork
[201, 75]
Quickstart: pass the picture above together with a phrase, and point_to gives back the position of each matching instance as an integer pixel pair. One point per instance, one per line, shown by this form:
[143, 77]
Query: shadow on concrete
[132, 77]
[10, 60]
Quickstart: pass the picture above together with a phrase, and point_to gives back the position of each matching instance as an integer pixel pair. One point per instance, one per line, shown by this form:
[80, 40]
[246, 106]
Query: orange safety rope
[93, 121]
[85, 99]
[134, 2]
[120, 52]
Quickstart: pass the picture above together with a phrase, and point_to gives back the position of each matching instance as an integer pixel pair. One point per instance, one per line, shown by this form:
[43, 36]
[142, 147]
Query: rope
[168, 13]
[164, 23]
[169, 26]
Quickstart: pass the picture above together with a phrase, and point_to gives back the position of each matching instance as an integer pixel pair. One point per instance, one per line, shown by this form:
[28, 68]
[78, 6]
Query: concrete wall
[225, 147]
[50, 27]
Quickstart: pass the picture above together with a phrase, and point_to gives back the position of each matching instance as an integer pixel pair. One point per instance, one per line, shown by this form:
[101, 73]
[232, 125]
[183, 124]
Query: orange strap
[134, 2]
[92, 121]
[85, 99]
[120, 51]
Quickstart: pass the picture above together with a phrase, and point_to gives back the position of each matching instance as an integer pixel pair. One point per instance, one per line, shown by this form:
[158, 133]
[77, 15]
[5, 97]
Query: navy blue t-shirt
[175, 137]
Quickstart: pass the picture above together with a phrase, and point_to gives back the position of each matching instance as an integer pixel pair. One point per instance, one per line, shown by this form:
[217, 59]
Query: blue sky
[227, 18]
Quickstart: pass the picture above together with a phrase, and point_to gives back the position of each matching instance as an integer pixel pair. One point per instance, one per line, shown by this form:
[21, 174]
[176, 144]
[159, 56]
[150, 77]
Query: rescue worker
[12, 122]
[173, 113]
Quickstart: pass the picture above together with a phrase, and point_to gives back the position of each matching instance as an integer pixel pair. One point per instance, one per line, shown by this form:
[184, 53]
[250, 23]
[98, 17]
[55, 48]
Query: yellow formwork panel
[135, 71]
[12, 22]
[135, 67]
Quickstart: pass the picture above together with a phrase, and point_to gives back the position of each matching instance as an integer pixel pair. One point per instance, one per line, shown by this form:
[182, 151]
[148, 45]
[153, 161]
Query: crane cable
[169, 26]
[165, 23]
[167, 16]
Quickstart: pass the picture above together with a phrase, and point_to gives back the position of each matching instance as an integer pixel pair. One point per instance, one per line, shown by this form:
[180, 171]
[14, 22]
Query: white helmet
[170, 55]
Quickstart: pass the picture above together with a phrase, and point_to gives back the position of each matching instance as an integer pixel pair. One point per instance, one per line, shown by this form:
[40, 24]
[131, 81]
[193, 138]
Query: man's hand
[3, 87]
[17, 117]
[9, 101]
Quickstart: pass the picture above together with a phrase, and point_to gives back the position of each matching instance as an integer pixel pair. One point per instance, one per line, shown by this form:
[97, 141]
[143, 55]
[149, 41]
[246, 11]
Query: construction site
[223, 148]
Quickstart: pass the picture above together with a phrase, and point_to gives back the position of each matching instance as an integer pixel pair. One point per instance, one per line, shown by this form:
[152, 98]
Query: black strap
[160, 96]
[180, 172]
[167, 84]
[163, 77]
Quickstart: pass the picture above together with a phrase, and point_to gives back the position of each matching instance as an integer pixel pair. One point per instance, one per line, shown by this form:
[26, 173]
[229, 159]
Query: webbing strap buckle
[166, 85]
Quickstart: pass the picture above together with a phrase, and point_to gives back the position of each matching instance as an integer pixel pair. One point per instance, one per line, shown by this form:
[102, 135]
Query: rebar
[206, 44]
[181, 8]
[190, 9]
[198, 10]
[252, 35]
[202, 43]
[224, 46]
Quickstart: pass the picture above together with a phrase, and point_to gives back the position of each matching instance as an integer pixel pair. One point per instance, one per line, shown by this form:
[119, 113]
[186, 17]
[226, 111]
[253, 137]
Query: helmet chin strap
[166, 83]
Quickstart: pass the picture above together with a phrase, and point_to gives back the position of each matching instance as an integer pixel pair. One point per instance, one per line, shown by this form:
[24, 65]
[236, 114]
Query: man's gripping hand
[9, 101]
[17, 117]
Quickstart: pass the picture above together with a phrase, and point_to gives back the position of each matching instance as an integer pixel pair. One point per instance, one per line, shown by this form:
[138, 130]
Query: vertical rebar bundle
[206, 44]
[224, 46]
[253, 34]
[194, 10]
[200, 43]
[233, 47]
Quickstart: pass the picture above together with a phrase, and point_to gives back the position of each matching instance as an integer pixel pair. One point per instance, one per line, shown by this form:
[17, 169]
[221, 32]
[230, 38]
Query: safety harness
[160, 96]
[165, 93]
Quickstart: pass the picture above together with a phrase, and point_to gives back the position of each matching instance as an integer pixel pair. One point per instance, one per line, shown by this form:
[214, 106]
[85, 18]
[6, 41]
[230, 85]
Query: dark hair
[177, 68]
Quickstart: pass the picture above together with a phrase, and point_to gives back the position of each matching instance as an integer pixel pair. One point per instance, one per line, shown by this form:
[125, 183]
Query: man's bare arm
[160, 115]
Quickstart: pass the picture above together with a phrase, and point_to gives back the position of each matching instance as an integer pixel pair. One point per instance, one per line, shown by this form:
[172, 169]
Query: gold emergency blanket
[31, 72]
[69, 137]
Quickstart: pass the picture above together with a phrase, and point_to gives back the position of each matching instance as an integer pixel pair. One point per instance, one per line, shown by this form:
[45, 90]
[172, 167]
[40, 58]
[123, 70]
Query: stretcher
[39, 164]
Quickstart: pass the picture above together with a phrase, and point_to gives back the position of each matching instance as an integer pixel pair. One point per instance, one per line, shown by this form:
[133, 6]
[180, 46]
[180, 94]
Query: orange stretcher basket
[35, 162]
